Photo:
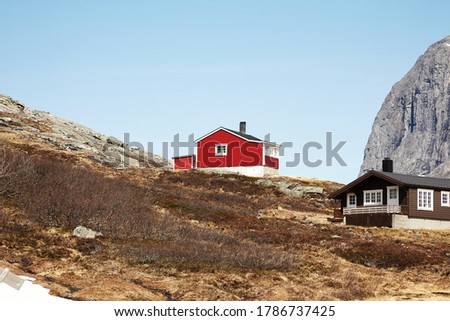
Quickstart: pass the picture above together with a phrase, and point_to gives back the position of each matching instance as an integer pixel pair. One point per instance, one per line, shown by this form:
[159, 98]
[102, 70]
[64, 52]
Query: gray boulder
[114, 141]
[264, 182]
[86, 233]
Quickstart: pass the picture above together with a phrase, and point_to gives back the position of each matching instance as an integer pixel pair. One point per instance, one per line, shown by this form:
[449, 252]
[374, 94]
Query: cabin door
[392, 195]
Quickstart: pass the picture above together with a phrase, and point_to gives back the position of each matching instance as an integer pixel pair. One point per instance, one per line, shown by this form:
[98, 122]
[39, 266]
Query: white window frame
[348, 200]
[425, 199]
[373, 201]
[447, 194]
[217, 150]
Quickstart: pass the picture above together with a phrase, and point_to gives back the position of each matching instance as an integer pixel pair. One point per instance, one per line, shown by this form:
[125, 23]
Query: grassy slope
[195, 236]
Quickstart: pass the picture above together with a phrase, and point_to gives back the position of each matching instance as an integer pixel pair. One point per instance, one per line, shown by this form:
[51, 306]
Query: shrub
[57, 193]
[65, 196]
[196, 253]
[15, 172]
[353, 287]
[176, 241]
[386, 254]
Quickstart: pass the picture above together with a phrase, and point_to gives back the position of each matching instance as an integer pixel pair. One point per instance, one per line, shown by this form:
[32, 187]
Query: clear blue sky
[295, 69]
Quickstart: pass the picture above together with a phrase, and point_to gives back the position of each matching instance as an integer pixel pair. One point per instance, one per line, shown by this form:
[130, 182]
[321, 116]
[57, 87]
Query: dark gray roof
[419, 181]
[246, 136]
[399, 179]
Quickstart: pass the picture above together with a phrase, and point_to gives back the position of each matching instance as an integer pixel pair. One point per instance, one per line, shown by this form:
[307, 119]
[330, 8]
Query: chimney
[388, 165]
[242, 127]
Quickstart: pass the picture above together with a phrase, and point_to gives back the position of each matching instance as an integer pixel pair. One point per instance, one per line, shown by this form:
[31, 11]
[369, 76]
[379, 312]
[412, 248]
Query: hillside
[21, 123]
[412, 126]
[192, 235]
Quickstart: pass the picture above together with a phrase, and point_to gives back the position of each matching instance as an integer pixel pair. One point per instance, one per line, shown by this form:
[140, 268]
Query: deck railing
[385, 209]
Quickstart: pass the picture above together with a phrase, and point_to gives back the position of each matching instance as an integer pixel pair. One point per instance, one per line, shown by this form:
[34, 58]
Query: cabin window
[351, 200]
[445, 199]
[221, 150]
[425, 199]
[373, 197]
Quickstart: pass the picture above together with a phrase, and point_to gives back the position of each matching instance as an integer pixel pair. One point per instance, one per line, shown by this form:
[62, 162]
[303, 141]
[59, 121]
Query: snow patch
[28, 292]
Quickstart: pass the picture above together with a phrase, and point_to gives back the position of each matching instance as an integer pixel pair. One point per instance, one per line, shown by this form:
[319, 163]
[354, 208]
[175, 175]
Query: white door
[392, 195]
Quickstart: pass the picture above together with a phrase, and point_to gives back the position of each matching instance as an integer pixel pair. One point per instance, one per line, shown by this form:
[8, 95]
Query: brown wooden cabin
[384, 198]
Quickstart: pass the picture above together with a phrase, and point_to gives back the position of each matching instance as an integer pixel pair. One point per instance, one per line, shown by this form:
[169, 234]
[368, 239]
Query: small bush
[88, 246]
[353, 287]
[15, 172]
[196, 254]
[386, 254]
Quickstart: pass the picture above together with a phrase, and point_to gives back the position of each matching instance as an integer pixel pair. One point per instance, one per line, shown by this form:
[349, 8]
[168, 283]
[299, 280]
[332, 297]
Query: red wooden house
[227, 150]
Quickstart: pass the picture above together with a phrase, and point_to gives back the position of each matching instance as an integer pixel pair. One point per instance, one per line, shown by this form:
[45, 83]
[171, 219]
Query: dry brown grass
[198, 236]
[64, 196]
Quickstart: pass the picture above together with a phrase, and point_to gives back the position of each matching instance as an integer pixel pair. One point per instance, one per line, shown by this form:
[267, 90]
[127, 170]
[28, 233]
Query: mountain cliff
[412, 126]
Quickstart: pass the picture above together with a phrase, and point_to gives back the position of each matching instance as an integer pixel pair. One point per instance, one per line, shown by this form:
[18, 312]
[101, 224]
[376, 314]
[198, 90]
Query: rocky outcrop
[34, 126]
[412, 126]
[291, 188]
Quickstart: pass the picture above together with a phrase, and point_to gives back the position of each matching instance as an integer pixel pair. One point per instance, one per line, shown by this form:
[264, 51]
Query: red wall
[184, 162]
[272, 162]
[239, 151]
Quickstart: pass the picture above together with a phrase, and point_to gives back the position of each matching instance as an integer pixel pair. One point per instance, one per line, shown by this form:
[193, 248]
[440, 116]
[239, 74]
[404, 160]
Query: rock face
[38, 126]
[412, 126]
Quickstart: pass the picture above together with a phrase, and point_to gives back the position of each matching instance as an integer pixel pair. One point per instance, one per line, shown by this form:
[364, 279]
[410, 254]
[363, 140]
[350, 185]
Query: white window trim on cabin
[447, 196]
[373, 201]
[348, 200]
[221, 149]
[425, 204]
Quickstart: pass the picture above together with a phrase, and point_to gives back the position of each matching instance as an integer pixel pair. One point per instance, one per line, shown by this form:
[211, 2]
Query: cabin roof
[398, 179]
